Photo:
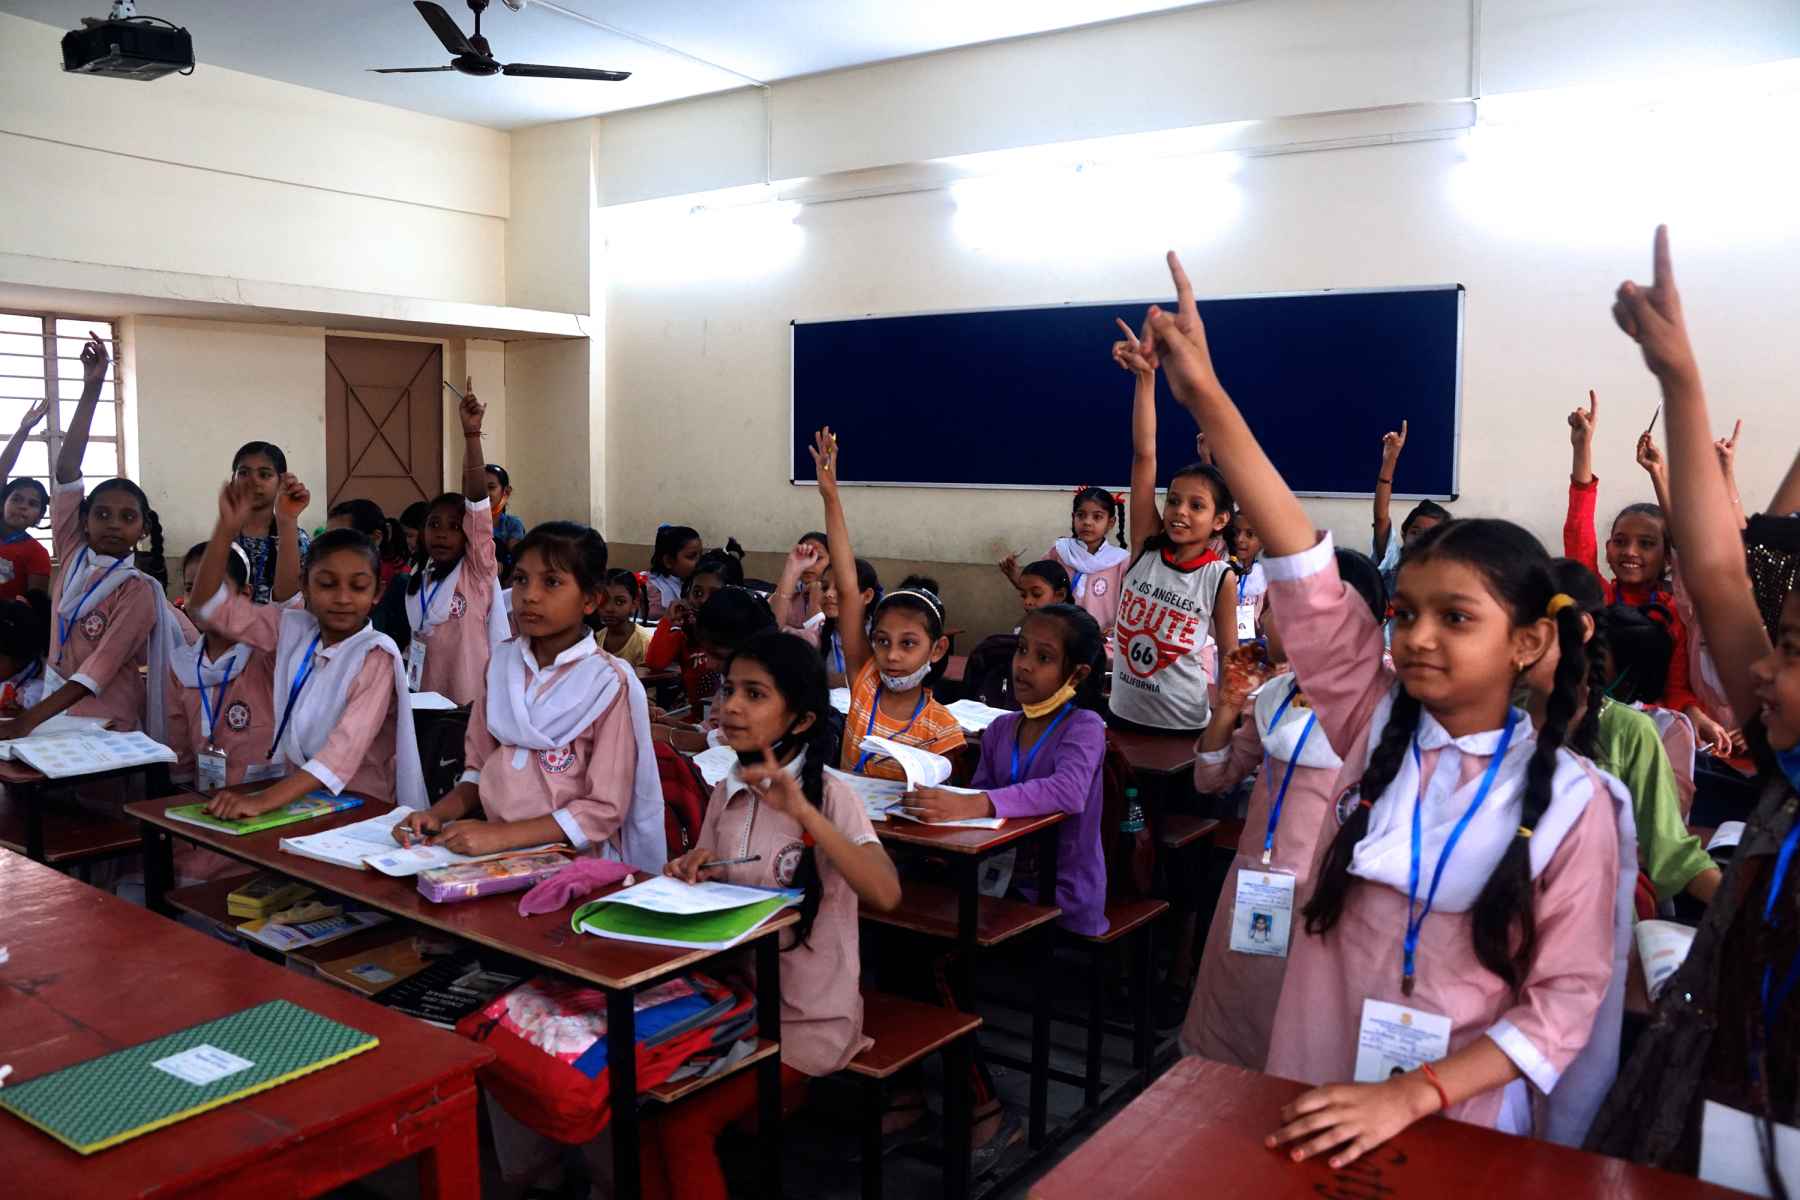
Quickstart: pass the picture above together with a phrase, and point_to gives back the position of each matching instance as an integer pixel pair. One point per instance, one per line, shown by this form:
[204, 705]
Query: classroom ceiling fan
[472, 55]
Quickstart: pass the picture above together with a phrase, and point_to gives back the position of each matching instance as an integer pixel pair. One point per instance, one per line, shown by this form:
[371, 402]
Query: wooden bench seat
[905, 1032]
[1125, 917]
[930, 909]
[1180, 830]
[72, 835]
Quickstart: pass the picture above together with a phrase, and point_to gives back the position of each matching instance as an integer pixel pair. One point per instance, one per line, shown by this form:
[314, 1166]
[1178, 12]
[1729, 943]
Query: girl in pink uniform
[342, 721]
[453, 605]
[800, 830]
[1459, 938]
[110, 620]
[1096, 569]
[558, 748]
[1286, 829]
[221, 700]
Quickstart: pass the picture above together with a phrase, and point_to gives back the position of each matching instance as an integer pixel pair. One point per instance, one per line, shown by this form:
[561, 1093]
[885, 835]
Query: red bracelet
[1432, 1078]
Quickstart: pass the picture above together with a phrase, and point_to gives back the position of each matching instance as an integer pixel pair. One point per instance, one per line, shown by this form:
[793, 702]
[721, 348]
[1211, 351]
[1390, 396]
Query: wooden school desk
[1199, 1131]
[974, 921]
[618, 968]
[90, 974]
[61, 835]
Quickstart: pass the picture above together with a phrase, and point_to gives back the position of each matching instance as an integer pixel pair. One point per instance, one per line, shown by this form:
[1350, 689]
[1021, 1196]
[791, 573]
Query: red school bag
[685, 795]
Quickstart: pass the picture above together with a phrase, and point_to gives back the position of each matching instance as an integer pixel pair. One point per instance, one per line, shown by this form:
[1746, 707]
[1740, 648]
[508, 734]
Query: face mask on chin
[906, 683]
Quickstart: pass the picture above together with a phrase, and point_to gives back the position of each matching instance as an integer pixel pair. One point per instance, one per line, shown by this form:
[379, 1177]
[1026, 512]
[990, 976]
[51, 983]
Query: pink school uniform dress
[109, 620]
[821, 1001]
[1575, 856]
[342, 711]
[1229, 1017]
[1095, 580]
[569, 741]
[460, 618]
[227, 703]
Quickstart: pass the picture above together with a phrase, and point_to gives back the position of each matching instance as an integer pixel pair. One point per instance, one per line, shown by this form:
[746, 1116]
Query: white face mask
[906, 683]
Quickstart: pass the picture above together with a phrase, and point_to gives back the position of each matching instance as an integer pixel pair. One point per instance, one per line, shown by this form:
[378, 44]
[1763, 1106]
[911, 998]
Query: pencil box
[491, 877]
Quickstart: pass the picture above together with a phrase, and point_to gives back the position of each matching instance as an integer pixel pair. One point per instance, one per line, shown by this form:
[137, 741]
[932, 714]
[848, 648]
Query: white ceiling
[327, 44]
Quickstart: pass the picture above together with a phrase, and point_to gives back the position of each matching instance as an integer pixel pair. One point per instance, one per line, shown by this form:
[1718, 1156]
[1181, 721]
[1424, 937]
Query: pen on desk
[730, 862]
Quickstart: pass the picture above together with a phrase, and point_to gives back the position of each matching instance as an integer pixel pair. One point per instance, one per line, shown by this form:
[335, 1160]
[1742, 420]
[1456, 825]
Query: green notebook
[116, 1097]
[718, 930]
[313, 804]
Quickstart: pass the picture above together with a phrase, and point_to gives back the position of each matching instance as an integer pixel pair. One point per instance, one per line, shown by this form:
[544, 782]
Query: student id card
[1394, 1039]
[1262, 912]
[415, 663]
[211, 767]
[1246, 622]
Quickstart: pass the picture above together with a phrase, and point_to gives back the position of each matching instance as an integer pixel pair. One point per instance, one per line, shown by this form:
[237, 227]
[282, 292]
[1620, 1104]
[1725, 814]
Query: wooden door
[384, 424]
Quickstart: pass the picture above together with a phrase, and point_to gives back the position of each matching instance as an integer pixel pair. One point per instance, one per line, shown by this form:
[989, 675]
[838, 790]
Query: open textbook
[371, 843]
[882, 797]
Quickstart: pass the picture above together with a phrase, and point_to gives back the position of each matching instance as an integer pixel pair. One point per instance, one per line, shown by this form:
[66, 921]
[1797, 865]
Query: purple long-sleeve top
[1063, 777]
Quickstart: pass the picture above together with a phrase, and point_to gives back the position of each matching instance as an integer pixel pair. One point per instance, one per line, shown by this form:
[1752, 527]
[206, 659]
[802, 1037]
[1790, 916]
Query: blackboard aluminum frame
[1462, 296]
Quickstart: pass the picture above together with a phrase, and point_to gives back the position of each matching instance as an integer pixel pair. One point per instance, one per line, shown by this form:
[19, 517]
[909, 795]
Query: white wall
[1539, 232]
[227, 174]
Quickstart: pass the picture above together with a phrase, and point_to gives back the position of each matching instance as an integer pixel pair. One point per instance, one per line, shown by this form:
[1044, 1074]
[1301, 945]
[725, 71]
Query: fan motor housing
[127, 50]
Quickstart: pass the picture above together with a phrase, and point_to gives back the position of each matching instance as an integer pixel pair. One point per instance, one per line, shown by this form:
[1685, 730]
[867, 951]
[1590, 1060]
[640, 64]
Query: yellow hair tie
[1524, 831]
[1557, 603]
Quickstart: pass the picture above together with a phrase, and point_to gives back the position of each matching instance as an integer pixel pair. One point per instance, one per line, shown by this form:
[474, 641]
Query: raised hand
[801, 559]
[825, 452]
[1244, 670]
[1203, 448]
[1582, 421]
[93, 360]
[1649, 456]
[1392, 443]
[471, 410]
[1726, 448]
[1130, 353]
[1177, 341]
[34, 414]
[1651, 316]
[291, 499]
[236, 503]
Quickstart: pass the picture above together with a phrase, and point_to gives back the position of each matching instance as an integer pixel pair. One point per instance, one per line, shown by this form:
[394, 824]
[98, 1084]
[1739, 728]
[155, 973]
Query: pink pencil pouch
[469, 881]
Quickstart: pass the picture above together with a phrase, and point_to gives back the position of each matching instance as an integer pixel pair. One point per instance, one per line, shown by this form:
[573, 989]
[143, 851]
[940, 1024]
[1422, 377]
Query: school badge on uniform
[1347, 802]
[237, 716]
[787, 863]
[557, 762]
[458, 606]
[93, 626]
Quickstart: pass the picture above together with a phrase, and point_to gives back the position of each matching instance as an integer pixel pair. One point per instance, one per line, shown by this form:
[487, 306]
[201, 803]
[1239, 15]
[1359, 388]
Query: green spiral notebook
[116, 1097]
[313, 804]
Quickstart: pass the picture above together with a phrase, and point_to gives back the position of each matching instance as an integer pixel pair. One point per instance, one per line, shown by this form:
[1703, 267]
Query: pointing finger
[1126, 330]
[1184, 291]
[1663, 274]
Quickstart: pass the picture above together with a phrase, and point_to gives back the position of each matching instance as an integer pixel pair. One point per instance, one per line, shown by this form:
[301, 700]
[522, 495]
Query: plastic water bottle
[1134, 813]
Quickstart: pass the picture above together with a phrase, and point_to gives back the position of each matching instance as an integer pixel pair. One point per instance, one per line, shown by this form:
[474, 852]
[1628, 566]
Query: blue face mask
[1789, 762]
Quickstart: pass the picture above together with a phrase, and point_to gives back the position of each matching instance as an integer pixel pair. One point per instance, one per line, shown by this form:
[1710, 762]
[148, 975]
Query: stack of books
[265, 895]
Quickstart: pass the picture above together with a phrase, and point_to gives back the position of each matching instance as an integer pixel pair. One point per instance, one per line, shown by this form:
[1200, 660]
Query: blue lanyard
[300, 678]
[67, 623]
[1017, 771]
[1287, 776]
[425, 598]
[1075, 583]
[837, 651]
[875, 708]
[1774, 997]
[1244, 578]
[1415, 920]
[209, 711]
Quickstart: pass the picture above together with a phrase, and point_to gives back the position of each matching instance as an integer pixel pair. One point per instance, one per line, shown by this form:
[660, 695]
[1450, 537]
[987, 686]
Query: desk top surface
[952, 840]
[1205, 1121]
[491, 921]
[90, 974]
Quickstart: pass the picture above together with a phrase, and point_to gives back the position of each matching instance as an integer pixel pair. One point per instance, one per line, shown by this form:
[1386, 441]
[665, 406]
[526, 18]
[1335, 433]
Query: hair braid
[1327, 903]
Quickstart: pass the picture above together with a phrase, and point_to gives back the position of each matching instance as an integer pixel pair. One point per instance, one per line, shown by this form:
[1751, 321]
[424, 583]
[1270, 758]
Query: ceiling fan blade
[448, 32]
[534, 71]
[407, 70]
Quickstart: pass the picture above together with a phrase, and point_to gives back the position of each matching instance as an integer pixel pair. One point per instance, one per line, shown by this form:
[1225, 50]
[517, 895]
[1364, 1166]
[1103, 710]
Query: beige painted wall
[228, 174]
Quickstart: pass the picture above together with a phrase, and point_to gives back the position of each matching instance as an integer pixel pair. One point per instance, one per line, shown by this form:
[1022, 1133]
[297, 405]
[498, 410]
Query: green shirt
[1630, 749]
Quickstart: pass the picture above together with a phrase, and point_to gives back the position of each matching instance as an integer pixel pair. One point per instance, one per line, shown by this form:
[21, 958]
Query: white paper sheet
[1725, 836]
[973, 715]
[1661, 947]
[877, 795]
[666, 894]
[431, 702]
[715, 764]
[840, 700]
[922, 767]
[90, 752]
[965, 823]
[350, 845]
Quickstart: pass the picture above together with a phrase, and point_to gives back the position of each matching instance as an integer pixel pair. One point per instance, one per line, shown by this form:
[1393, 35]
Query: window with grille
[40, 365]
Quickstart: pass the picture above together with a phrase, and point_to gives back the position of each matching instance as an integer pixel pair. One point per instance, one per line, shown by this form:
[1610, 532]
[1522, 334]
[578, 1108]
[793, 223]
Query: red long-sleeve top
[670, 645]
[1580, 544]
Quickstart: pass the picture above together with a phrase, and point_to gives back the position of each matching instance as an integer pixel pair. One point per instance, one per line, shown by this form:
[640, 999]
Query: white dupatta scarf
[529, 708]
[668, 588]
[1279, 741]
[438, 611]
[1075, 556]
[106, 576]
[193, 669]
[321, 702]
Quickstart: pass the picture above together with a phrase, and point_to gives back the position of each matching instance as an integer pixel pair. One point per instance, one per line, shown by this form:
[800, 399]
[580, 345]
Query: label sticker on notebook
[370, 973]
[203, 1065]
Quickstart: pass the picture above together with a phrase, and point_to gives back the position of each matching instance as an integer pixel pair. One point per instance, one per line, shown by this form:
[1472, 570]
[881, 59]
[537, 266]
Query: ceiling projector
[127, 46]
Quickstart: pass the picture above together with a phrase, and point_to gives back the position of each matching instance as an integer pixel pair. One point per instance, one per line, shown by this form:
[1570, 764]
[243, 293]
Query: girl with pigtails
[1096, 567]
[1459, 938]
[110, 618]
